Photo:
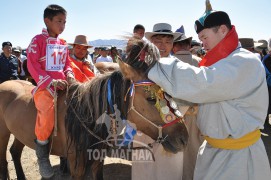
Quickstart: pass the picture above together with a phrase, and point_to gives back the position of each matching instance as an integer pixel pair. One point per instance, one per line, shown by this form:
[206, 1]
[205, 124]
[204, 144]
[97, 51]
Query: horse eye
[151, 100]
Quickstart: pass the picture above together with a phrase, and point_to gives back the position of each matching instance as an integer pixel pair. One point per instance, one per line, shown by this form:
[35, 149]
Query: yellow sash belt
[235, 144]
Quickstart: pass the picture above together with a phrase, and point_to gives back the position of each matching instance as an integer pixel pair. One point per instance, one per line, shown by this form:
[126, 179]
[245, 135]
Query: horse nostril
[184, 141]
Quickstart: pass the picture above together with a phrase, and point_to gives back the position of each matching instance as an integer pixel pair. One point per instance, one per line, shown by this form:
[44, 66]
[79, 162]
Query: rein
[55, 116]
[55, 109]
[160, 138]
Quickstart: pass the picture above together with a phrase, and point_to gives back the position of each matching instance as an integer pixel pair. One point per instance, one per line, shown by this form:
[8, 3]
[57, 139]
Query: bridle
[160, 138]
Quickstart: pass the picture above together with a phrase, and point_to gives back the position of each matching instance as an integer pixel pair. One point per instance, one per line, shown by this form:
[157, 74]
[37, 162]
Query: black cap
[7, 43]
[211, 18]
[215, 18]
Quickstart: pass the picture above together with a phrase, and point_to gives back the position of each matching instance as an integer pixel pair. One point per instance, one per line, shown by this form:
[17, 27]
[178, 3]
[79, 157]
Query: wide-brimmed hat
[81, 40]
[17, 49]
[249, 43]
[162, 28]
[195, 43]
[262, 46]
[269, 44]
[183, 38]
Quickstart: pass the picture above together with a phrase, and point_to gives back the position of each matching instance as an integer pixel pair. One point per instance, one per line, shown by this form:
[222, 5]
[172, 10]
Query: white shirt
[23, 58]
[104, 59]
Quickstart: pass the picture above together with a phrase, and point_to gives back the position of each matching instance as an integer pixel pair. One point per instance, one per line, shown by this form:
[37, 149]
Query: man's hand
[70, 78]
[59, 84]
[86, 63]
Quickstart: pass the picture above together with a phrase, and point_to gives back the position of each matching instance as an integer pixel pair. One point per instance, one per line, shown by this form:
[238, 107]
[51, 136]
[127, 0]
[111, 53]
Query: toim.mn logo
[120, 139]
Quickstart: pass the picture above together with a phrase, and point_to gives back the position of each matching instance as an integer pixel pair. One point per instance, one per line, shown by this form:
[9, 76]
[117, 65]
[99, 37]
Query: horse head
[143, 109]
[121, 94]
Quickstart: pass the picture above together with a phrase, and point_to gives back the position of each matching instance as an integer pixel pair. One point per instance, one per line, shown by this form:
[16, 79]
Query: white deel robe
[167, 166]
[233, 100]
[181, 164]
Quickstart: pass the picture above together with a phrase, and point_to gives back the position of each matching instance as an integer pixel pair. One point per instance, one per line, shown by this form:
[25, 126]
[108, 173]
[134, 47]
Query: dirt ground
[114, 168]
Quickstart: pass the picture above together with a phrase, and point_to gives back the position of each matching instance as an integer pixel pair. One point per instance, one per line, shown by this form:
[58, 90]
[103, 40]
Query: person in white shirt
[17, 51]
[104, 55]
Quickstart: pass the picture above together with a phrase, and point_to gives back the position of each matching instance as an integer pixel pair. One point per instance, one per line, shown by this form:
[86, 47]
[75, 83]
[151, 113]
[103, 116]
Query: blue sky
[23, 19]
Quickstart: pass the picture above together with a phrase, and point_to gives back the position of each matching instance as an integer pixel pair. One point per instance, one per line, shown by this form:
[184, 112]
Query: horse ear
[129, 72]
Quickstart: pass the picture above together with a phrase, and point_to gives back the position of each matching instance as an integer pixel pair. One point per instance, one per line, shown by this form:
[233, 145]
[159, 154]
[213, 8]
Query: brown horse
[78, 110]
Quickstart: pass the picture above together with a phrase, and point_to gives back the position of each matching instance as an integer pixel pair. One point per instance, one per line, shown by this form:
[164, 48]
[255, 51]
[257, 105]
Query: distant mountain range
[121, 44]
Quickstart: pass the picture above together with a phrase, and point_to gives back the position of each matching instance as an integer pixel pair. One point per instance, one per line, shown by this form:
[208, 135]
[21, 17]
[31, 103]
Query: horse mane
[86, 103]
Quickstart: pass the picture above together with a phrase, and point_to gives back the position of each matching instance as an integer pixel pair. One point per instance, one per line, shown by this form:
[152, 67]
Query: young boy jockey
[49, 65]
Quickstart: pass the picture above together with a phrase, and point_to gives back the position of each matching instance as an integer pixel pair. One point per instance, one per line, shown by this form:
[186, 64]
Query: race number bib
[55, 57]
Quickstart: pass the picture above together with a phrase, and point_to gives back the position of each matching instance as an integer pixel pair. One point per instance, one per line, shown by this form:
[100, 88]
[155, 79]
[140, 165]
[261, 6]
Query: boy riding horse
[49, 65]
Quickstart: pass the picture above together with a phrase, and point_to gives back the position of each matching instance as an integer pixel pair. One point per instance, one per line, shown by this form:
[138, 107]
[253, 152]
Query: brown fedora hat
[263, 46]
[249, 43]
[81, 40]
[183, 38]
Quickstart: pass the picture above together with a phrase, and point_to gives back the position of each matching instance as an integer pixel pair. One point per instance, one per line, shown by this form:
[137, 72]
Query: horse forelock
[141, 54]
[87, 102]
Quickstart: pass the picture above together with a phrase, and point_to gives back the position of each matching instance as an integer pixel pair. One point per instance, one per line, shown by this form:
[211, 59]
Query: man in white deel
[231, 91]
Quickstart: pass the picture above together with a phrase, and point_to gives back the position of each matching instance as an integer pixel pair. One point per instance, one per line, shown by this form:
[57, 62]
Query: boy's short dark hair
[53, 10]
[138, 26]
